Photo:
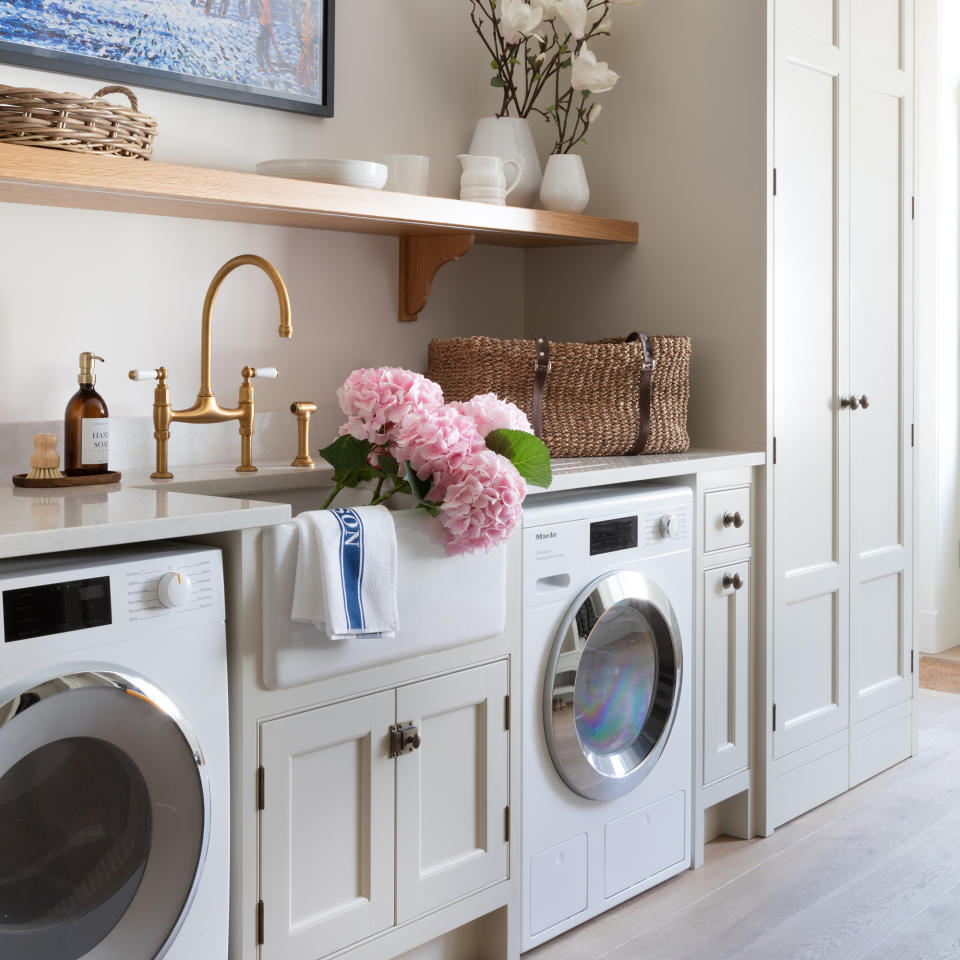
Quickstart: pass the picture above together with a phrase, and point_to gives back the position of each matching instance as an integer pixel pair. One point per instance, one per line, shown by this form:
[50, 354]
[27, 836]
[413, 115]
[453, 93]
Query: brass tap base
[243, 469]
[302, 462]
[161, 476]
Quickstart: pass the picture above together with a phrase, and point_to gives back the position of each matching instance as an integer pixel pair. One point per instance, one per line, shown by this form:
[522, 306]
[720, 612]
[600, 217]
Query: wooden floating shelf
[58, 178]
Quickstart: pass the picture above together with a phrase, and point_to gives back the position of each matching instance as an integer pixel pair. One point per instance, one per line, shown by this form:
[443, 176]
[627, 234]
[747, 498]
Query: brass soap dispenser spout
[205, 408]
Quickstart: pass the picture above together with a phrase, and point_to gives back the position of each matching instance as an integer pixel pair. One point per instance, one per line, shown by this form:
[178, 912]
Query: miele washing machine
[114, 756]
[607, 742]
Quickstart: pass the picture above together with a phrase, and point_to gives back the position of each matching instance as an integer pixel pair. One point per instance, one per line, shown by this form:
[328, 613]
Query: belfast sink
[443, 601]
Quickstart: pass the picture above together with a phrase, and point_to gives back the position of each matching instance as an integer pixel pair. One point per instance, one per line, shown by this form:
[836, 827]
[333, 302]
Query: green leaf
[347, 453]
[494, 65]
[388, 465]
[497, 82]
[419, 489]
[526, 452]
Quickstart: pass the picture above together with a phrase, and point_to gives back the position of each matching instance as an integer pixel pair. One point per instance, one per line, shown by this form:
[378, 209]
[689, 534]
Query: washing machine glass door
[103, 820]
[612, 685]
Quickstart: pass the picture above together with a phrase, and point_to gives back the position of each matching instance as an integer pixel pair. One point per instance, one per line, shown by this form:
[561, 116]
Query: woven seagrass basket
[593, 402]
[67, 121]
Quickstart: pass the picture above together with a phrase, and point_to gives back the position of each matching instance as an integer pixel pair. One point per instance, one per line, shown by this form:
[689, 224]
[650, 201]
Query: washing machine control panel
[161, 588]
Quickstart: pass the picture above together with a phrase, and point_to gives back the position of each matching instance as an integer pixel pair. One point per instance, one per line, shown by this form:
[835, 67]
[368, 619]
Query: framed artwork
[273, 53]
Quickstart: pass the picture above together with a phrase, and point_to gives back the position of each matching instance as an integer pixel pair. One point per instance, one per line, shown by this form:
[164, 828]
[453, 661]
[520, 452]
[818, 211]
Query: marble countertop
[214, 498]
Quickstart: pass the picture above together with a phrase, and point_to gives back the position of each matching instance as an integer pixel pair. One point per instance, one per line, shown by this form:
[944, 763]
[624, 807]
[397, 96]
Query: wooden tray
[21, 480]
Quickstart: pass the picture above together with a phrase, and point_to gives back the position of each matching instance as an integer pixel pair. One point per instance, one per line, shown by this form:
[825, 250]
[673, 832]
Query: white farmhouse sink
[442, 601]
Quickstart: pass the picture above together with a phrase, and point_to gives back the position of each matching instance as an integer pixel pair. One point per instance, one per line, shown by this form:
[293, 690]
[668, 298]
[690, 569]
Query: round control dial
[669, 527]
[174, 590]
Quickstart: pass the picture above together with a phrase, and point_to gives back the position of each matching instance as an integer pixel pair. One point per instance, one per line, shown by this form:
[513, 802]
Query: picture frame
[269, 53]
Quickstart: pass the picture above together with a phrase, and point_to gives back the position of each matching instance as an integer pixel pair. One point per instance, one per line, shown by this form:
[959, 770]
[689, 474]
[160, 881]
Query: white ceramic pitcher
[484, 179]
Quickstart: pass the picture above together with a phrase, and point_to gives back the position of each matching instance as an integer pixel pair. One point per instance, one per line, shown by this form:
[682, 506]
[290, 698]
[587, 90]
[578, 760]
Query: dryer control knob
[669, 527]
[173, 590]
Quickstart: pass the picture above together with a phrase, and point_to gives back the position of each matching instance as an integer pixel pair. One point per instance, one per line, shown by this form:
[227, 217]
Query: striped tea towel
[346, 582]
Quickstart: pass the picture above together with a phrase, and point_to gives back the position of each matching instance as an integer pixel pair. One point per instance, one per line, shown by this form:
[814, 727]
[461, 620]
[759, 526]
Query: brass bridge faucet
[206, 409]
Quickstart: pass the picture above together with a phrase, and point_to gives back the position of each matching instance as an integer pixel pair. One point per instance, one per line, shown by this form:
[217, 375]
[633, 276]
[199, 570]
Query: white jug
[484, 179]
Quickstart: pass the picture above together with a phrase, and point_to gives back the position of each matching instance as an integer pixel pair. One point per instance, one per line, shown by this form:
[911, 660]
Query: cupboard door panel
[726, 669]
[881, 337]
[810, 360]
[452, 791]
[327, 829]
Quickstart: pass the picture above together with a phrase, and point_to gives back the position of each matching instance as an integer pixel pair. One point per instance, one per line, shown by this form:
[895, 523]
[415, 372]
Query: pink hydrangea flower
[489, 412]
[435, 441]
[376, 400]
[481, 503]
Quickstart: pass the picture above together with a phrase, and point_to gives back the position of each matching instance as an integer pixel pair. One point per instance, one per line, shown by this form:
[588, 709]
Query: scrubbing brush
[45, 462]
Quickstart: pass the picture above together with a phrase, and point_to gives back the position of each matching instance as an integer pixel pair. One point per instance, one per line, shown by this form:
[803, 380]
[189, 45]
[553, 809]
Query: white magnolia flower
[574, 14]
[548, 8]
[589, 75]
[594, 112]
[518, 19]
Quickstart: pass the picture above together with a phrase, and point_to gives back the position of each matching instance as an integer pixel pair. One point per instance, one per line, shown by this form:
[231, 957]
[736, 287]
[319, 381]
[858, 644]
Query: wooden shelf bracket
[420, 259]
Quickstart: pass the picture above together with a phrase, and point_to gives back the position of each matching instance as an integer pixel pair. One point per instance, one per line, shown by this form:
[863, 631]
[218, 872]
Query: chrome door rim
[136, 686]
[575, 766]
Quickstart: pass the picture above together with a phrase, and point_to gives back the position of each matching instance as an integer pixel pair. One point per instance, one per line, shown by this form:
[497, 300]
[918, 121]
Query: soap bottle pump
[86, 427]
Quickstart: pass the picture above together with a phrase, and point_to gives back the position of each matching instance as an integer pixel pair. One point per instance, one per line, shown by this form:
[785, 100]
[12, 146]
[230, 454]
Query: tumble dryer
[607, 738]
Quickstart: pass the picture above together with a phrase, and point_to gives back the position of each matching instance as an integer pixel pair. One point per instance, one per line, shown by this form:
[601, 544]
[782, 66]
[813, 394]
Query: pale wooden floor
[873, 874]
[952, 654]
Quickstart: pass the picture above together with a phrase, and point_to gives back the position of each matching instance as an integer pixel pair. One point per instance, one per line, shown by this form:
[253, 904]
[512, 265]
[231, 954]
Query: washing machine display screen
[608, 536]
[56, 608]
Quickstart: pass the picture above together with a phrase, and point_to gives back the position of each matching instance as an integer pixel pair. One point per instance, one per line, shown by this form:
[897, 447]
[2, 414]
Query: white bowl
[347, 173]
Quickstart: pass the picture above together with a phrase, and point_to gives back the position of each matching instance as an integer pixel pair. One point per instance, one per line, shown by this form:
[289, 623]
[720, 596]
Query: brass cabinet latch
[404, 738]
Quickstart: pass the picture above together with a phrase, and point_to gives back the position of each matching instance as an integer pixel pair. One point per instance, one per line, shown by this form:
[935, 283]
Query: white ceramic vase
[564, 188]
[509, 138]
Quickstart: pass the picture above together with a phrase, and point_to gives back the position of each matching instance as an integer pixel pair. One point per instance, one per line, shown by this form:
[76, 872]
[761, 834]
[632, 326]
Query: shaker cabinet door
[726, 672]
[881, 342]
[811, 553]
[327, 828]
[452, 791]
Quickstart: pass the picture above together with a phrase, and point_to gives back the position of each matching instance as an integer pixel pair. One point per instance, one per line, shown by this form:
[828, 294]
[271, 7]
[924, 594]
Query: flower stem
[332, 497]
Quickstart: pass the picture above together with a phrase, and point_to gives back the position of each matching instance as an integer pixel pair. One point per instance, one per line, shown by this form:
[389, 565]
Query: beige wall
[410, 77]
[680, 148]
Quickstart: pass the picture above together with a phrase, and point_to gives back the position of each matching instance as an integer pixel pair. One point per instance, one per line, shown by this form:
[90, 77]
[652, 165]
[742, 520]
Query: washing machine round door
[104, 820]
[612, 685]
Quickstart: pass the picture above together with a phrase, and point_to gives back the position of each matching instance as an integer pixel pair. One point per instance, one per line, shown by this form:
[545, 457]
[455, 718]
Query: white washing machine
[607, 728]
[114, 756]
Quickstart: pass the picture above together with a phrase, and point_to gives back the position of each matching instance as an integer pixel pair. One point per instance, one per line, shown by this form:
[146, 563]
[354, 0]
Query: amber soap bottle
[86, 427]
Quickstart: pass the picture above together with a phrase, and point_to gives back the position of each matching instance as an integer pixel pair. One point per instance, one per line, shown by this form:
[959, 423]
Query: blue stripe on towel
[351, 565]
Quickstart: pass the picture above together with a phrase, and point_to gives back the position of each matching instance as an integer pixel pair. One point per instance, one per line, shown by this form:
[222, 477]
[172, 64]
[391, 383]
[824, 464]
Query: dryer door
[104, 816]
[612, 685]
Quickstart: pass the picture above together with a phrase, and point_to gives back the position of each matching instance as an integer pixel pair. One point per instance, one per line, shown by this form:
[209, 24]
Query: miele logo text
[547, 536]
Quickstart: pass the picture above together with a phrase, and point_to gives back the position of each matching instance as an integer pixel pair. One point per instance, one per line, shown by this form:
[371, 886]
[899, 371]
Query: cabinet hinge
[913, 208]
[774, 716]
[259, 923]
[912, 434]
[506, 712]
[261, 788]
[911, 661]
[506, 824]
[774, 181]
[774, 450]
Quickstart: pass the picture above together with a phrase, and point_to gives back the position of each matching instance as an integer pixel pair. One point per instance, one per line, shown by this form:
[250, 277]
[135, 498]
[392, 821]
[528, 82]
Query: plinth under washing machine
[607, 728]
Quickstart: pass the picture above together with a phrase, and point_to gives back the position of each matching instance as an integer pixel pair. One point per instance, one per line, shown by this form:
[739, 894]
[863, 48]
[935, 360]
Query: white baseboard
[929, 640]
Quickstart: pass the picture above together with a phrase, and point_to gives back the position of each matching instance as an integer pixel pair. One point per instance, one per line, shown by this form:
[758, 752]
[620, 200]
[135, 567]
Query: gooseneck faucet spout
[206, 328]
[206, 409]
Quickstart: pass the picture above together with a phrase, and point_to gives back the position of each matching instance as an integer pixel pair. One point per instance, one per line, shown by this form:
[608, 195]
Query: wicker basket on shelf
[67, 121]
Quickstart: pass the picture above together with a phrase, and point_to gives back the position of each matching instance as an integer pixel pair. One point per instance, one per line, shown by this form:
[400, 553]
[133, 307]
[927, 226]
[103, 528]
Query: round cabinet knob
[174, 590]
[669, 527]
[732, 580]
[864, 401]
[733, 520]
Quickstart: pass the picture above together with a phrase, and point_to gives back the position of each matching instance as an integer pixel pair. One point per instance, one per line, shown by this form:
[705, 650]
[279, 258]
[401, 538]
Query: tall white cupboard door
[726, 671]
[881, 333]
[810, 347]
[452, 791]
[327, 828]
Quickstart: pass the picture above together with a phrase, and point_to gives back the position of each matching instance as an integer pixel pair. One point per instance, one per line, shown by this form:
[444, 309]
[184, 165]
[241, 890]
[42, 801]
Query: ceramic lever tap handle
[302, 410]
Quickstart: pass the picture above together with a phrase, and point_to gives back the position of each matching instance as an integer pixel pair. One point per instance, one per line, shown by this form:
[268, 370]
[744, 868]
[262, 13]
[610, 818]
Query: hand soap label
[94, 440]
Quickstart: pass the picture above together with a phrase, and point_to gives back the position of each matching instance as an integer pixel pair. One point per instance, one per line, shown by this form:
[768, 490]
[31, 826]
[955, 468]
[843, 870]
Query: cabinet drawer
[732, 506]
